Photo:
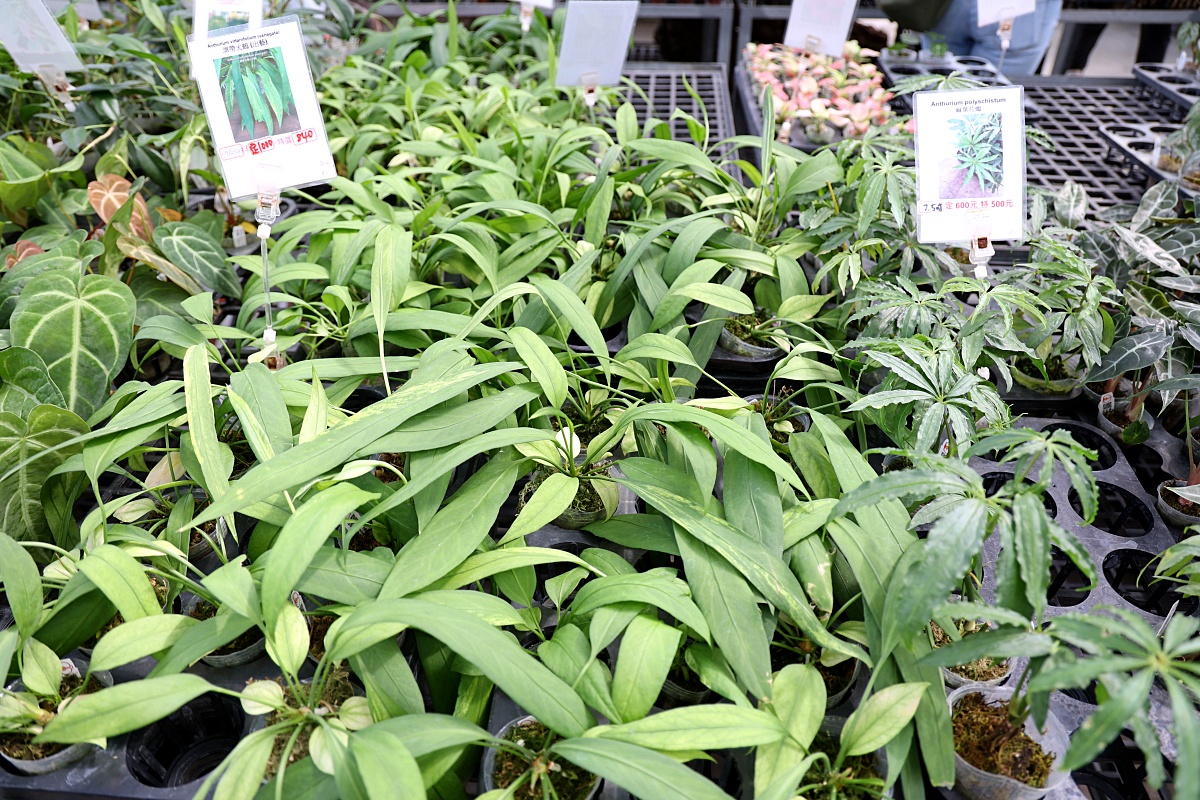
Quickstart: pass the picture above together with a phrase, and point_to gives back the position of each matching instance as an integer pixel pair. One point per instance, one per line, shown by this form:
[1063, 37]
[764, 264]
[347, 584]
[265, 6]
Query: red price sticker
[263, 146]
[305, 136]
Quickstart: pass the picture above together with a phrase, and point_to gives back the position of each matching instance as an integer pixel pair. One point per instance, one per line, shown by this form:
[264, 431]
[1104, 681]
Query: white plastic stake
[591, 82]
[981, 247]
[57, 85]
[526, 17]
[1005, 32]
[268, 179]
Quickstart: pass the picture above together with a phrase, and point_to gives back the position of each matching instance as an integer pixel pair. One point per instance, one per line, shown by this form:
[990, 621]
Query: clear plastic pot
[72, 753]
[489, 761]
[975, 784]
[1170, 514]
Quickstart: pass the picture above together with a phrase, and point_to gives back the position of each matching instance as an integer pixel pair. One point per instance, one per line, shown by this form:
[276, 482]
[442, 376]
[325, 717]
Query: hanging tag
[595, 39]
[269, 62]
[820, 26]
[970, 163]
[992, 12]
[210, 16]
[35, 41]
[239, 236]
[69, 670]
[1106, 402]
[527, 7]
[58, 86]
[944, 450]
[590, 87]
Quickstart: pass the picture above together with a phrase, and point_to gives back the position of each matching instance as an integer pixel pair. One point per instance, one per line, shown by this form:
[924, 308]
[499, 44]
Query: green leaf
[22, 585]
[499, 657]
[202, 424]
[193, 249]
[243, 769]
[721, 297]
[299, 540]
[122, 580]
[81, 329]
[332, 448]
[658, 347]
[798, 701]
[881, 717]
[287, 641]
[262, 412]
[41, 669]
[1107, 721]
[552, 497]
[543, 366]
[703, 727]
[385, 767]
[639, 771]
[647, 650]
[123, 708]
[26, 382]
[139, 638]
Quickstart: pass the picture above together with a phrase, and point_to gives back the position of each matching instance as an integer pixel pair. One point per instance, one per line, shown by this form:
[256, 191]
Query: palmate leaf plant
[257, 90]
[979, 149]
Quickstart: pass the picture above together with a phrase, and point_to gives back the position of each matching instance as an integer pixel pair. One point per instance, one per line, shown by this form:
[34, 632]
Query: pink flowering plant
[826, 95]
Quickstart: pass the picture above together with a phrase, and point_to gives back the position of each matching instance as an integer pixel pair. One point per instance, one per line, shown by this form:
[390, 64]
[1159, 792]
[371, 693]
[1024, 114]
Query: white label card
[548, 5]
[210, 16]
[32, 37]
[86, 9]
[261, 105]
[820, 26]
[990, 12]
[595, 42]
[970, 164]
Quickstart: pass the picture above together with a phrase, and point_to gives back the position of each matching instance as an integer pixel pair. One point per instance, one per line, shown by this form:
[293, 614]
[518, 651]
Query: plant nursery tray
[973, 67]
[1139, 144]
[663, 87]
[1183, 88]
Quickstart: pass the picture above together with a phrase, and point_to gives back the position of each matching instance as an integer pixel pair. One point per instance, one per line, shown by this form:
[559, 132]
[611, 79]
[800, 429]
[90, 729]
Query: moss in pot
[984, 669]
[25, 713]
[752, 335]
[1058, 377]
[525, 767]
[162, 591]
[293, 745]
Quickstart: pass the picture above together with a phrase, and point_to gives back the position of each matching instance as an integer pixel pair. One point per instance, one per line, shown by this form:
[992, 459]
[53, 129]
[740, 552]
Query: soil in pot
[986, 739]
[983, 669]
[837, 678]
[318, 626]
[1056, 368]
[570, 782]
[205, 610]
[586, 499]
[386, 475]
[585, 429]
[1176, 502]
[854, 768]
[779, 408]
[744, 327]
[21, 745]
[336, 691]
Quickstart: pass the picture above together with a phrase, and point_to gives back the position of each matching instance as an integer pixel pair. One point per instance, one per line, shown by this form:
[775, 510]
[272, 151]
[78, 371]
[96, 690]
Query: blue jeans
[1030, 39]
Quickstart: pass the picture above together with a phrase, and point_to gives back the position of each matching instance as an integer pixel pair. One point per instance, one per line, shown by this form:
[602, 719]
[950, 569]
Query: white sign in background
[820, 26]
[86, 9]
[294, 145]
[970, 164]
[213, 15]
[990, 12]
[595, 42]
[35, 41]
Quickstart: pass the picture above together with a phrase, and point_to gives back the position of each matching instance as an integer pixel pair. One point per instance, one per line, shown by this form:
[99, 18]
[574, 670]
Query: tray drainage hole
[1131, 574]
[1068, 586]
[994, 481]
[1163, 128]
[1120, 513]
[1175, 80]
[1126, 132]
[188, 744]
[974, 61]
[1189, 91]
[1141, 147]
[902, 69]
[1106, 454]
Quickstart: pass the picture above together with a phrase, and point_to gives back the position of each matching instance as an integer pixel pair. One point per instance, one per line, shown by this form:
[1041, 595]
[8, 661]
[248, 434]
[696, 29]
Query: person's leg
[1153, 43]
[1030, 40]
[957, 27]
[1085, 39]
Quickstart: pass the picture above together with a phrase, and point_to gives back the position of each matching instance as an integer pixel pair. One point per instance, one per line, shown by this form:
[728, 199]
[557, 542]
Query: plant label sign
[970, 165]
[86, 9]
[595, 42]
[213, 15]
[992, 12]
[820, 26]
[261, 105]
[35, 41]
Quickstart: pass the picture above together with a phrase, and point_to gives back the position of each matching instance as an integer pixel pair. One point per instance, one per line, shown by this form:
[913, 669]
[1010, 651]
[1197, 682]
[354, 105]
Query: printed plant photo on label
[227, 19]
[258, 94]
[976, 167]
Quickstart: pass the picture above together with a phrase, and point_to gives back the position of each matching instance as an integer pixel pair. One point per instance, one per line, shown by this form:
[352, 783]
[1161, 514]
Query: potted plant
[520, 763]
[1136, 356]
[938, 53]
[26, 709]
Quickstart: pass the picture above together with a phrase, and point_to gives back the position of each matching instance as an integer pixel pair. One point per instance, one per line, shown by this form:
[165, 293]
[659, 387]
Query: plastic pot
[203, 548]
[833, 726]
[74, 752]
[1114, 430]
[741, 347]
[1170, 514]
[975, 784]
[835, 700]
[955, 681]
[679, 696]
[489, 761]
